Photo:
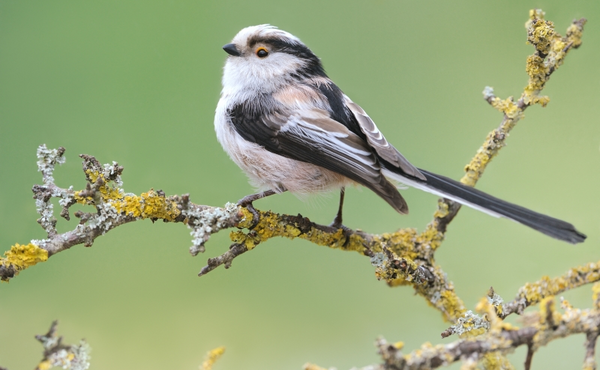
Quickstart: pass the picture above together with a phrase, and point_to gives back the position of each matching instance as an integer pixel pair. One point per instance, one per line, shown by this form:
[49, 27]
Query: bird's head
[264, 58]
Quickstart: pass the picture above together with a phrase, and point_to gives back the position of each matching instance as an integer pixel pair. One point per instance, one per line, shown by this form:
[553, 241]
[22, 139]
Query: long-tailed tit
[290, 128]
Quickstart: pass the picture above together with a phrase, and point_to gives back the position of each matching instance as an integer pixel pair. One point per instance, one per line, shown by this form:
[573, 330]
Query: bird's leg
[337, 221]
[247, 202]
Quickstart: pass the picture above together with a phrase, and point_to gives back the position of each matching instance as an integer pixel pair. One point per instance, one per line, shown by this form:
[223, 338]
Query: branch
[402, 258]
[211, 357]
[528, 295]
[533, 293]
[541, 328]
[550, 52]
[77, 356]
[57, 354]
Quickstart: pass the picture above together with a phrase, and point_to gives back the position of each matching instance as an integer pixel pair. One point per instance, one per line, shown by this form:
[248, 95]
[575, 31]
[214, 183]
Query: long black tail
[451, 189]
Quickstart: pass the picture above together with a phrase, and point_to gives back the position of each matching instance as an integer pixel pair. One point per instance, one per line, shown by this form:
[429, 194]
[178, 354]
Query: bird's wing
[310, 135]
[344, 110]
[378, 142]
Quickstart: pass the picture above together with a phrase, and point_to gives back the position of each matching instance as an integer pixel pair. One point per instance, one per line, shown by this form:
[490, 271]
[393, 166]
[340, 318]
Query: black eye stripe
[312, 67]
[285, 46]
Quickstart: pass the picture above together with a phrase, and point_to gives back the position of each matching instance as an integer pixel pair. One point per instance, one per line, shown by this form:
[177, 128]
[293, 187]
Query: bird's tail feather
[456, 191]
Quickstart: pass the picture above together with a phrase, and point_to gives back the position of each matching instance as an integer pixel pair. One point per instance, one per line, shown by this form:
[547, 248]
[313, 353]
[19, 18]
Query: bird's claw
[255, 214]
[347, 232]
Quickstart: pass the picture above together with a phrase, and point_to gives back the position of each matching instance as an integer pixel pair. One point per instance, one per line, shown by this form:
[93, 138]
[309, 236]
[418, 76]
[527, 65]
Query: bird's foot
[337, 225]
[337, 222]
[247, 203]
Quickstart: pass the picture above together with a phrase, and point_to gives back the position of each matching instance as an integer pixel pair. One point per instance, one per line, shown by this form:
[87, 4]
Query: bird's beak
[232, 50]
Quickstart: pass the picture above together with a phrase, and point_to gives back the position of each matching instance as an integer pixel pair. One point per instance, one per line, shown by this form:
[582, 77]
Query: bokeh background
[137, 82]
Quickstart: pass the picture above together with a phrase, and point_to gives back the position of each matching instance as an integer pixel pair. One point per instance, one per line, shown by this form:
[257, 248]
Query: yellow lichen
[475, 168]
[540, 34]
[157, 206]
[83, 200]
[499, 310]
[249, 241]
[106, 192]
[533, 15]
[537, 72]
[92, 175]
[130, 205]
[507, 106]
[548, 311]
[565, 305]
[430, 237]
[212, 357]
[545, 287]
[394, 282]
[558, 46]
[491, 315]
[451, 305]
[574, 33]
[23, 256]
[398, 345]
[401, 242]
[44, 365]
[541, 100]
[309, 366]
[495, 361]
[149, 205]
[473, 332]
[596, 295]
[246, 219]
[442, 210]
[273, 225]
[482, 305]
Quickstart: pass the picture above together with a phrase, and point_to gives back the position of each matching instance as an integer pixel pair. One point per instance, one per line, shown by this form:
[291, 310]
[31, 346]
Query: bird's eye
[262, 52]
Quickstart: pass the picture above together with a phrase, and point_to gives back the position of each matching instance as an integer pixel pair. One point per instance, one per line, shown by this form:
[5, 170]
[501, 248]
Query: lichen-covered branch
[112, 206]
[530, 294]
[211, 357]
[533, 293]
[66, 356]
[500, 338]
[549, 54]
[394, 254]
[77, 356]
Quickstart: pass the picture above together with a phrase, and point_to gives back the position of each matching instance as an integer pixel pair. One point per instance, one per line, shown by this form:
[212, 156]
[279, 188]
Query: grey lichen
[47, 159]
[204, 221]
[469, 322]
[57, 354]
[488, 93]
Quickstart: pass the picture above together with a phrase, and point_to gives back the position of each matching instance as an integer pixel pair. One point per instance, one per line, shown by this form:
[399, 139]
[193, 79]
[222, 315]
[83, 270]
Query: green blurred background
[137, 82]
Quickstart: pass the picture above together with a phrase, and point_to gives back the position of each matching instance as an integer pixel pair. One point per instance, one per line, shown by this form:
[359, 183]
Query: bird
[289, 127]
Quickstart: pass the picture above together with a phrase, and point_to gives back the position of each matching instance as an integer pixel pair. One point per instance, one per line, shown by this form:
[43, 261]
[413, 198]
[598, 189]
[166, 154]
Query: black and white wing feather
[377, 141]
[311, 136]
